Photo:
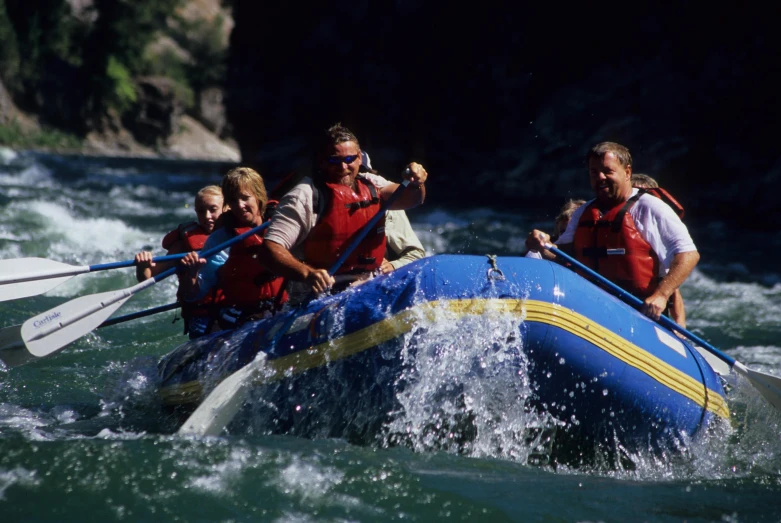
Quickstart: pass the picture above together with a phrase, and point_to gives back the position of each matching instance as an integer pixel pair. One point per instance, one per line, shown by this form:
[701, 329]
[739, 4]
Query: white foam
[90, 235]
[7, 155]
[34, 176]
[17, 476]
[223, 474]
[309, 480]
[731, 305]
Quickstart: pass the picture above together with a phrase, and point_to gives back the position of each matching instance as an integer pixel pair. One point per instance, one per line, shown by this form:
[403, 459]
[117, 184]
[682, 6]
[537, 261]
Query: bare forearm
[682, 265]
[412, 196]
[279, 261]
[677, 309]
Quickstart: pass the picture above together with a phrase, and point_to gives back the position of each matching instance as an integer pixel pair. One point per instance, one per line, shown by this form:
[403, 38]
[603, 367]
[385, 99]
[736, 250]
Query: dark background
[501, 101]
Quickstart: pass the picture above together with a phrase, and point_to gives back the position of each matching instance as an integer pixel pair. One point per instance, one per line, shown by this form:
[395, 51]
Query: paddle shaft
[214, 250]
[58, 318]
[10, 337]
[637, 303]
[56, 322]
[75, 270]
[139, 314]
[363, 232]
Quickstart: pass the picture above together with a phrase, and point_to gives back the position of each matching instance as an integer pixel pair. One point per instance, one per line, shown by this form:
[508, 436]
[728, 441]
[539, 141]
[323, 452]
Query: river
[83, 438]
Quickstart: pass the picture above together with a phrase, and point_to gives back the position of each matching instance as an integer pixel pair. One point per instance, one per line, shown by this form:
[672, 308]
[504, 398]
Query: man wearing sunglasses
[316, 219]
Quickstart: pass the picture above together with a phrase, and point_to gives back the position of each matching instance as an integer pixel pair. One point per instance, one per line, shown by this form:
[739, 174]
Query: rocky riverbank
[188, 138]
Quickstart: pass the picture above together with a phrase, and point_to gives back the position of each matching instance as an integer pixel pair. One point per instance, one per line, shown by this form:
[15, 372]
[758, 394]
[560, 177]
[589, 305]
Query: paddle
[769, 386]
[11, 337]
[224, 401]
[24, 277]
[50, 331]
[139, 314]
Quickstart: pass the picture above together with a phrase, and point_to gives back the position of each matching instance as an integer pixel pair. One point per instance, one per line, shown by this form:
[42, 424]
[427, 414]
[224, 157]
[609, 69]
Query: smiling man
[633, 239]
[315, 221]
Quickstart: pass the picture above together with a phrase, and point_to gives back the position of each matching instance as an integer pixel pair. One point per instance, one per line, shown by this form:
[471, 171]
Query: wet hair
[601, 149]
[643, 181]
[209, 190]
[566, 213]
[245, 178]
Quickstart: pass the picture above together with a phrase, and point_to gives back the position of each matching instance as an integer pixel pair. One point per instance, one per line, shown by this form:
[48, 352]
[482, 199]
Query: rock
[194, 141]
[10, 114]
[157, 112]
[211, 110]
[114, 140]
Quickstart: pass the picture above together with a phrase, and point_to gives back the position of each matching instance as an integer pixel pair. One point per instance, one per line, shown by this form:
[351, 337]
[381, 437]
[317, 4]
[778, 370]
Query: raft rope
[494, 273]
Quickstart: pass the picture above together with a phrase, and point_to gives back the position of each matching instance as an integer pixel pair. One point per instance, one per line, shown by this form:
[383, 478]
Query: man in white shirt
[633, 239]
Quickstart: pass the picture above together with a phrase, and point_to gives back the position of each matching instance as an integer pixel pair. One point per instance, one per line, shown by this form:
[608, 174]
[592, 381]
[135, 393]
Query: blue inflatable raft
[555, 346]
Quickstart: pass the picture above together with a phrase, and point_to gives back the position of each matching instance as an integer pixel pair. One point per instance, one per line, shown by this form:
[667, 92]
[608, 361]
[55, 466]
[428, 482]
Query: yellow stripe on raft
[526, 310]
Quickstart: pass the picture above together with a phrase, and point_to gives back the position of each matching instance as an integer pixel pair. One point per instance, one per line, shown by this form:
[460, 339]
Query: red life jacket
[343, 217]
[191, 233]
[244, 281]
[194, 238]
[611, 245]
[666, 198]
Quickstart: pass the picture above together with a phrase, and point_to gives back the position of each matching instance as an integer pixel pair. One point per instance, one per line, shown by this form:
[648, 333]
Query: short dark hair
[335, 135]
[601, 149]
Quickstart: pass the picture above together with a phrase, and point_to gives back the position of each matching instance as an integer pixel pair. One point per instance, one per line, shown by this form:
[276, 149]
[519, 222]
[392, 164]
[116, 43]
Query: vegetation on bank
[15, 136]
[73, 69]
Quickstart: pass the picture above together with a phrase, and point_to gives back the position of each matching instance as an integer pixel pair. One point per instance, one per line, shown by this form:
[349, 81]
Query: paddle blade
[769, 386]
[15, 291]
[721, 367]
[12, 350]
[25, 277]
[50, 331]
[223, 403]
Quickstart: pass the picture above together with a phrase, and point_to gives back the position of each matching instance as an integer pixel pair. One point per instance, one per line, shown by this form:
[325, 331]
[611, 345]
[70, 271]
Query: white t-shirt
[657, 223]
[295, 216]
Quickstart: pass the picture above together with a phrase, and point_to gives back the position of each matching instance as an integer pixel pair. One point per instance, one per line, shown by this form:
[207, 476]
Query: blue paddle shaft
[216, 249]
[139, 314]
[637, 303]
[130, 263]
[363, 232]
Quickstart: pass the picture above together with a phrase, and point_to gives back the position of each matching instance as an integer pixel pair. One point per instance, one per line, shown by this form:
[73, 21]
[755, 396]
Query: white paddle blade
[769, 386]
[50, 331]
[25, 277]
[12, 350]
[720, 367]
[223, 403]
[16, 291]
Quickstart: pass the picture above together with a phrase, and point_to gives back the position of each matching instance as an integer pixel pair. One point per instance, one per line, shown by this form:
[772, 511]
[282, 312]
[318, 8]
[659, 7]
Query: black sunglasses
[337, 160]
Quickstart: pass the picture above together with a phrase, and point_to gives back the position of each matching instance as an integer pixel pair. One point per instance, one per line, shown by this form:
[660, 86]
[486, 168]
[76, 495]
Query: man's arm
[403, 245]
[279, 261]
[414, 195]
[677, 309]
[682, 265]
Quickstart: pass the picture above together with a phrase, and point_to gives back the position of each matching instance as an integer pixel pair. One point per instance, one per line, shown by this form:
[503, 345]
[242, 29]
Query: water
[82, 437]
